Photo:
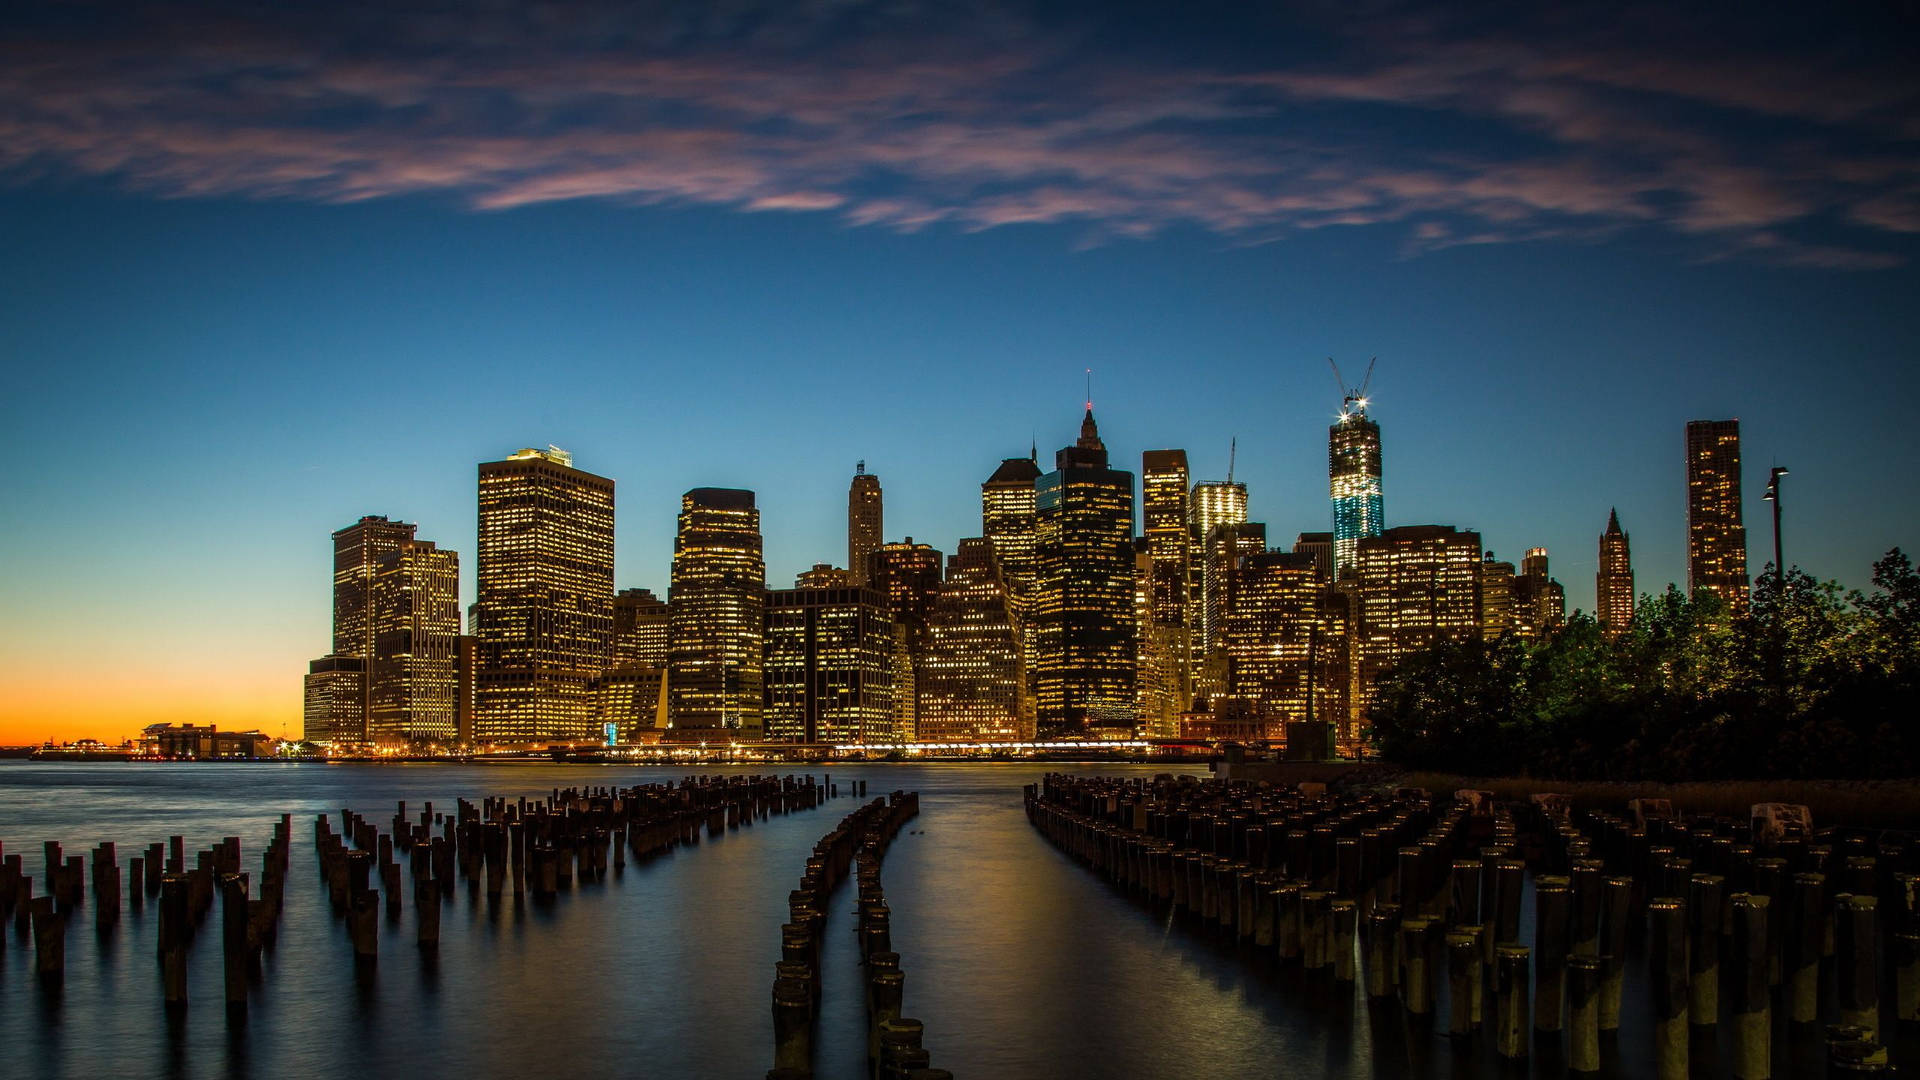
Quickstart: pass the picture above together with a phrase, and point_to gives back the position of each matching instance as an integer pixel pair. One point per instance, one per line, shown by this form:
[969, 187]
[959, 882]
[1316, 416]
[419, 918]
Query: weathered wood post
[1551, 901]
[1857, 958]
[1667, 978]
[1752, 1006]
[1703, 950]
[1583, 1013]
[1513, 1026]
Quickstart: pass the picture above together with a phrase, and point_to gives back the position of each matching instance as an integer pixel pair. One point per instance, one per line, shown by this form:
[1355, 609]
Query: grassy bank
[1887, 804]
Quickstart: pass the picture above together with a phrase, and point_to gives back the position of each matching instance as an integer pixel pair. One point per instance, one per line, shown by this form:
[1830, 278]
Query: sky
[266, 269]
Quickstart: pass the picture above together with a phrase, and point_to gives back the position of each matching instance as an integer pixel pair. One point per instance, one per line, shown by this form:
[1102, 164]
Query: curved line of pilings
[1420, 897]
[539, 845]
[894, 1042]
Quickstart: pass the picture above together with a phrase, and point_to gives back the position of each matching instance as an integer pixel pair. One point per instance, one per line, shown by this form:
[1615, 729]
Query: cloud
[891, 116]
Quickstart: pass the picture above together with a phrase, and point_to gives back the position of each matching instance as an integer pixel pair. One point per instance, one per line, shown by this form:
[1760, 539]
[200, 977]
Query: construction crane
[1233, 451]
[1356, 396]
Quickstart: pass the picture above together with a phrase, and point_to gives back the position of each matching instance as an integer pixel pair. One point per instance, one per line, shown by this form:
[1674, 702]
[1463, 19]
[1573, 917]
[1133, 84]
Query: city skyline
[245, 311]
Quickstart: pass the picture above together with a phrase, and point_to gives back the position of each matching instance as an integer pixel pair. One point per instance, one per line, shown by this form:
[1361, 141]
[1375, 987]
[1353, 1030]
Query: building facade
[1716, 528]
[972, 681]
[1007, 522]
[1285, 642]
[1354, 482]
[544, 614]
[865, 522]
[412, 677]
[1084, 611]
[335, 699]
[716, 617]
[1418, 586]
[640, 629]
[829, 666]
[358, 551]
[1613, 584]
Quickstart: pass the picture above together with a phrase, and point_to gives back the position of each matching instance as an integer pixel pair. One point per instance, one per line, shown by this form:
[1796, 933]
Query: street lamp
[1773, 496]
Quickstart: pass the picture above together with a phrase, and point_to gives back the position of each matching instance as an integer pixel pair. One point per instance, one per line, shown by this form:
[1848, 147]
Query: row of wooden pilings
[1424, 898]
[538, 845]
[184, 896]
[895, 1049]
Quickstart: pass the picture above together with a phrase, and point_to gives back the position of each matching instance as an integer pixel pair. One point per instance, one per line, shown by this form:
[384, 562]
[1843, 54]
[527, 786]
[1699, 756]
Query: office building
[1539, 602]
[1285, 639]
[412, 676]
[1418, 586]
[1320, 546]
[357, 551]
[1497, 615]
[1083, 614]
[1006, 521]
[1716, 530]
[1353, 479]
[335, 699]
[865, 522]
[826, 576]
[829, 666]
[640, 629]
[716, 618]
[972, 680]
[544, 614]
[1613, 584]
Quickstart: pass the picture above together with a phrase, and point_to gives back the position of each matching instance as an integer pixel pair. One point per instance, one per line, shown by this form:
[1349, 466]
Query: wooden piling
[1551, 902]
[1752, 1006]
[1583, 1013]
[1513, 1025]
[1856, 956]
[1703, 950]
[1667, 980]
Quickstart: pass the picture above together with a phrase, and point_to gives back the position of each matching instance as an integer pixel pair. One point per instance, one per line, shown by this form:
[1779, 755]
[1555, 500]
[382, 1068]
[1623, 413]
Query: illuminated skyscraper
[1083, 615]
[1212, 503]
[829, 666]
[1539, 602]
[716, 617]
[416, 622]
[907, 576]
[825, 576]
[336, 699]
[972, 681]
[1716, 533]
[1284, 637]
[1497, 616]
[864, 522]
[640, 628]
[1320, 546]
[1613, 585]
[1353, 470]
[544, 616]
[357, 552]
[1227, 546]
[1163, 506]
[1419, 585]
[1006, 521]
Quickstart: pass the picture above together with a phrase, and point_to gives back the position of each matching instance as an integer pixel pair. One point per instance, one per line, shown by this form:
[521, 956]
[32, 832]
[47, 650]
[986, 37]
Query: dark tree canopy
[1811, 681]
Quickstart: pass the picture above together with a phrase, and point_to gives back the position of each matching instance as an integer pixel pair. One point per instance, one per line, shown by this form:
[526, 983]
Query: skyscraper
[1006, 521]
[1539, 602]
[336, 699]
[1497, 616]
[1613, 585]
[1227, 546]
[1163, 508]
[864, 522]
[416, 640]
[716, 614]
[1353, 471]
[1211, 504]
[1083, 614]
[640, 627]
[544, 615]
[357, 552]
[972, 681]
[1284, 639]
[1320, 546]
[1716, 533]
[1419, 585]
[829, 666]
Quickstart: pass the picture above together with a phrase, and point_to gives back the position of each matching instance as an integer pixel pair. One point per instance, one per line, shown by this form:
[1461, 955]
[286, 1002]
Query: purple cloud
[998, 119]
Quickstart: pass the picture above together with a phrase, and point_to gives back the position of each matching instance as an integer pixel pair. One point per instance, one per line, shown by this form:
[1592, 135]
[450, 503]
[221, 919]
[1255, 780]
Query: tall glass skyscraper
[1716, 529]
[1083, 615]
[1353, 476]
[716, 617]
[544, 616]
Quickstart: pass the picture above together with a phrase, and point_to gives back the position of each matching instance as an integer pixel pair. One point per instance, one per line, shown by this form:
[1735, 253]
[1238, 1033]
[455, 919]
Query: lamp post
[1773, 496]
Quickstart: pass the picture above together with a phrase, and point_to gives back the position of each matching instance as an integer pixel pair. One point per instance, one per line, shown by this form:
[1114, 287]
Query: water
[1020, 962]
